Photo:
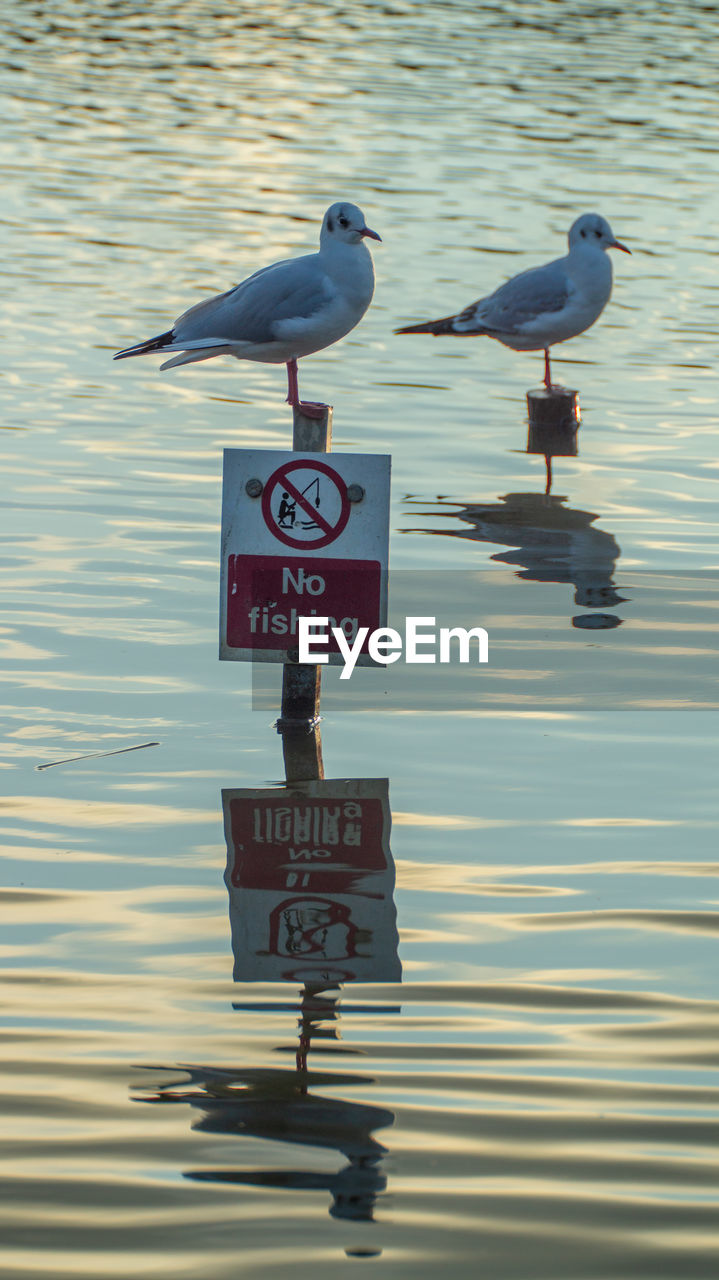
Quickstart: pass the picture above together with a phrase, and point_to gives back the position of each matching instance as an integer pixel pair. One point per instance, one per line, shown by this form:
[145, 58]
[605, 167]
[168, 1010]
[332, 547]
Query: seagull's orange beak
[616, 245]
[373, 234]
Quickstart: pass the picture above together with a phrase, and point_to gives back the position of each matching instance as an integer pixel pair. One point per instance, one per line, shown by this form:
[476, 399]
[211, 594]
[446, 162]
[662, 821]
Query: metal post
[301, 682]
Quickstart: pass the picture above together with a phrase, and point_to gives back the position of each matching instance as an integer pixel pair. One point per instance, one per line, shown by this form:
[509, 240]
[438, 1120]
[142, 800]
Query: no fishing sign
[303, 535]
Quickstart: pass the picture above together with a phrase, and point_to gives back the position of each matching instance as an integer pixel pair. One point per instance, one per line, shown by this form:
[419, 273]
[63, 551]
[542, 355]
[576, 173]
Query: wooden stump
[553, 424]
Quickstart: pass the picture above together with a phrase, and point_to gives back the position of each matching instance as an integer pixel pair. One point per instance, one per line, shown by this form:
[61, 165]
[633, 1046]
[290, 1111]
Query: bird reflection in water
[549, 542]
[279, 1105]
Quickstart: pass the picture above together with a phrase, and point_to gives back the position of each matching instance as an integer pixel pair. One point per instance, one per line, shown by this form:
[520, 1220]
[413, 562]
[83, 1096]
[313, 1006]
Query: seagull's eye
[583, 234]
[598, 234]
[344, 222]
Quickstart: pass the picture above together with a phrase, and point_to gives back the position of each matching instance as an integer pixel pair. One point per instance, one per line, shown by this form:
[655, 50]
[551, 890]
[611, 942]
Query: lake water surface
[492, 1048]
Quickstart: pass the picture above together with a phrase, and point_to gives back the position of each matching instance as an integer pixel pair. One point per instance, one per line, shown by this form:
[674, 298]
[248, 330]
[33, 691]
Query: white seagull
[546, 304]
[284, 311]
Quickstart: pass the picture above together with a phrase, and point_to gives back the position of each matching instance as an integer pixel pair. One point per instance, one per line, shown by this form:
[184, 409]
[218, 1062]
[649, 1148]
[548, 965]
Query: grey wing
[539, 291]
[286, 290]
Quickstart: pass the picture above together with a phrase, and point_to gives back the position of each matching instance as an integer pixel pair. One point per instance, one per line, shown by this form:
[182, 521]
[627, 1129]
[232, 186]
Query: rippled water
[491, 1046]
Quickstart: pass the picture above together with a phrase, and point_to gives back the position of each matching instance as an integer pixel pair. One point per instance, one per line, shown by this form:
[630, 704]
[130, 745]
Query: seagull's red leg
[547, 370]
[293, 395]
[308, 407]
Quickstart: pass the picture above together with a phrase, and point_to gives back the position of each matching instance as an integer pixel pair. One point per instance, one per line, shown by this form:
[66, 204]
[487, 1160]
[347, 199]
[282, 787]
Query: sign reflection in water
[310, 878]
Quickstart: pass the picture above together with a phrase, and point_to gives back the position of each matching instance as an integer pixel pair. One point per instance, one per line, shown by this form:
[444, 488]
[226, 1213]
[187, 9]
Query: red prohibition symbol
[296, 503]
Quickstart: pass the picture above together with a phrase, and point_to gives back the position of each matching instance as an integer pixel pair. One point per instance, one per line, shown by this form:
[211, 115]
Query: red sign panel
[298, 842]
[266, 595]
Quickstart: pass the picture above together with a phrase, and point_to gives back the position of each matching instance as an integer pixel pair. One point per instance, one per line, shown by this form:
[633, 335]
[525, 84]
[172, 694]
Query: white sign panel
[303, 534]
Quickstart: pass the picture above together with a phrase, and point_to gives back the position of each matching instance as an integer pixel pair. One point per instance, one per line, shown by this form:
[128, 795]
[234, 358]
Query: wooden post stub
[312, 435]
[300, 694]
[553, 422]
[302, 753]
[301, 682]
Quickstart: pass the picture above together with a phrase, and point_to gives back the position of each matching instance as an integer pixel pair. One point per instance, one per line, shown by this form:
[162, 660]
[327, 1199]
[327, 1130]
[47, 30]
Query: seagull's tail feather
[203, 352]
[445, 325]
[142, 348]
[193, 349]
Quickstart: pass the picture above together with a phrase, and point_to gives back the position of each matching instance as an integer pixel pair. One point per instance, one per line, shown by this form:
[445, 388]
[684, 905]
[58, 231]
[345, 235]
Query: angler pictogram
[305, 504]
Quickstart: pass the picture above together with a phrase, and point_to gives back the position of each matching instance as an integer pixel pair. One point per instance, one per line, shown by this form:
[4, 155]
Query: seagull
[284, 311]
[546, 304]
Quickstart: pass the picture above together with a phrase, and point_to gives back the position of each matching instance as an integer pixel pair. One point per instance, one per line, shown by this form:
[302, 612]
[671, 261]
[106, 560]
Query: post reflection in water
[549, 542]
[310, 879]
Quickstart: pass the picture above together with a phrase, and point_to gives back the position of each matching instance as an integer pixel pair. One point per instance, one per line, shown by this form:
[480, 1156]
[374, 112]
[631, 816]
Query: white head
[344, 224]
[593, 229]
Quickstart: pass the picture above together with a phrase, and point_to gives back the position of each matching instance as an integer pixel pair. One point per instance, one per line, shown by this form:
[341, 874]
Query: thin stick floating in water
[94, 755]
